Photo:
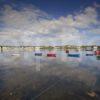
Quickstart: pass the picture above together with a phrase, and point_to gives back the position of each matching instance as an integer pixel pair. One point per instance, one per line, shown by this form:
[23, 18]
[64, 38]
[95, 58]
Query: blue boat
[38, 54]
[74, 55]
[89, 54]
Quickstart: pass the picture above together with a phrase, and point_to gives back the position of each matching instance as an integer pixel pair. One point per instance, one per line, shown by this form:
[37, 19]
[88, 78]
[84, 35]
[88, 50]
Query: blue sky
[49, 22]
[55, 8]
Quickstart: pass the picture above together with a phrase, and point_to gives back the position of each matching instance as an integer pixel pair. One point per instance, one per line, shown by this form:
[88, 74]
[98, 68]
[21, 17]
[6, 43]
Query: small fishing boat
[97, 52]
[38, 54]
[89, 54]
[74, 55]
[51, 55]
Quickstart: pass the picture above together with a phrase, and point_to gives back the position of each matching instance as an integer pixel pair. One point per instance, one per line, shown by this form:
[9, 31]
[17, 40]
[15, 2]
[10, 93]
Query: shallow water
[24, 76]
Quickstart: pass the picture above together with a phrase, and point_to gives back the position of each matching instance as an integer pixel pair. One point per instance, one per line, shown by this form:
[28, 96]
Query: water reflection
[98, 57]
[24, 76]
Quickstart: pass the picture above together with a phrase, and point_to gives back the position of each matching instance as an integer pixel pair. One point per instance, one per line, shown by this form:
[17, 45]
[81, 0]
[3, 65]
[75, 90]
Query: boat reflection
[98, 57]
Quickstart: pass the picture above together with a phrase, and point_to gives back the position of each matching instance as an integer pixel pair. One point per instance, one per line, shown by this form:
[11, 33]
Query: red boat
[51, 55]
[97, 52]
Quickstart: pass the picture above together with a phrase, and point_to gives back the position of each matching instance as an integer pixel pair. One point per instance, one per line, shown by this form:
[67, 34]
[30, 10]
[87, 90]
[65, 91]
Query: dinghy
[89, 54]
[38, 54]
[97, 52]
[74, 55]
[51, 55]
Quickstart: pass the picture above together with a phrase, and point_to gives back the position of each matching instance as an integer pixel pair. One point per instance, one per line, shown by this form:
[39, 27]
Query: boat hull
[97, 52]
[89, 54]
[51, 55]
[38, 54]
[73, 55]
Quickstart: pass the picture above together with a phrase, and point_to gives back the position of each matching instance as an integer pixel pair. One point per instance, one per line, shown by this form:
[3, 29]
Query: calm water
[24, 76]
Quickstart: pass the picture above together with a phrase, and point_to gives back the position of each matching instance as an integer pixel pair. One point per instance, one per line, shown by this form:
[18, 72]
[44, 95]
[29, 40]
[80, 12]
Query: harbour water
[24, 76]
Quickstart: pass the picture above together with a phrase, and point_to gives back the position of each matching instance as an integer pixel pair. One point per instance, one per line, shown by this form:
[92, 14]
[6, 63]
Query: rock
[11, 93]
[91, 94]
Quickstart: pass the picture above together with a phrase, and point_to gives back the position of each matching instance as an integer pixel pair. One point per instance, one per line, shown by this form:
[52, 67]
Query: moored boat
[38, 54]
[51, 55]
[89, 54]
[97, 52]
[74, 55]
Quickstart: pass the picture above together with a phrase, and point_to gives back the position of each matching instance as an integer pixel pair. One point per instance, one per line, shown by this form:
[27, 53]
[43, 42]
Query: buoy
[67, 51]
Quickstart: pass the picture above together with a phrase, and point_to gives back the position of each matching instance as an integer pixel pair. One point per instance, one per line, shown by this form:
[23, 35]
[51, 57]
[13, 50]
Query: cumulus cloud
[95, 31]
[31, 26]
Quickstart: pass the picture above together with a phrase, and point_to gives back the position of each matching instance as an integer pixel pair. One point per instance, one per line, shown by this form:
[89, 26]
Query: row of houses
[87, 48]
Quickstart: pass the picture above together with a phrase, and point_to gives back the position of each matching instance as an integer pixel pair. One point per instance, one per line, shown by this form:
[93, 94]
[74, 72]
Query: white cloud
[31, 26]
[95, 31]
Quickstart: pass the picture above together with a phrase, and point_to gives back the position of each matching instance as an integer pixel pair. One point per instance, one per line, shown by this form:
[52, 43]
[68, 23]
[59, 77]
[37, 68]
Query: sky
[49, 22]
